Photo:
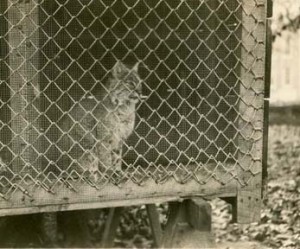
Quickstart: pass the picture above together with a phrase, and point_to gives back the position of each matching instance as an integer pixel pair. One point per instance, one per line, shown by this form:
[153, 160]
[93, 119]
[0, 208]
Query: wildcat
[93, 135]
[96, 127]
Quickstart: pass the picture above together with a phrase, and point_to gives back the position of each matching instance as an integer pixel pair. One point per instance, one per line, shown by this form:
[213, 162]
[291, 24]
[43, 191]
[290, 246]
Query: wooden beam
[176, 214]
[155, 225]
[249, 201]
[23, 60]
[111, 226]
[82, 195]
[251, 110]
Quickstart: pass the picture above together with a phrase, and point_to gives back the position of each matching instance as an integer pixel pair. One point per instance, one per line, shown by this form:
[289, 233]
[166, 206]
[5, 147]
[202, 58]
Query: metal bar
[265, 148]
[268, 65]
[269, 8]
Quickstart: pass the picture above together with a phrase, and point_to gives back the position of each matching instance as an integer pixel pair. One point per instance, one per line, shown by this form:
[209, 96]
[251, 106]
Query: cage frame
[246, 195]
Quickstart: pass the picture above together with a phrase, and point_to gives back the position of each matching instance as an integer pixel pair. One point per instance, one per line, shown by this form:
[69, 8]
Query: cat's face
[126, 85]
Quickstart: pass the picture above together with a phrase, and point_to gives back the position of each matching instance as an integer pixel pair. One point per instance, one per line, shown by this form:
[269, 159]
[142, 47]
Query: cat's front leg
[116, 155]
[90, 165]
[93, 161]
[103, 152]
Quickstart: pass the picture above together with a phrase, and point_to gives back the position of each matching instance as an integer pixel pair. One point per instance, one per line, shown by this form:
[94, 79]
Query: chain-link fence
[98, 93]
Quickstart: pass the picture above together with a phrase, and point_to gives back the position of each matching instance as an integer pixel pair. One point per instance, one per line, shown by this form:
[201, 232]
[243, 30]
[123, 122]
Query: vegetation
[286, 16]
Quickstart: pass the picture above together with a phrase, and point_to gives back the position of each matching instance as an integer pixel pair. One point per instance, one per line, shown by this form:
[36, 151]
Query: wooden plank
[153, 216]
[111, 226]
[251, 109]
[24, 86]
[33, 196]
[84, 205]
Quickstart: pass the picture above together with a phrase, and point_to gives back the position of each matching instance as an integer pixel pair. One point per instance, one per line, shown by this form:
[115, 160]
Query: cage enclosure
[107, 103]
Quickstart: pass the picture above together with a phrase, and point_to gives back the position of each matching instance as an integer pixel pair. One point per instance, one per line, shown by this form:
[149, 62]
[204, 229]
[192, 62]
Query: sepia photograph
[150, 124]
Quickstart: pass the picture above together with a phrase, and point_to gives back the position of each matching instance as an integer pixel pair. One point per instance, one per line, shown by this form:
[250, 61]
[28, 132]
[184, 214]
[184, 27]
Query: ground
[280, 217]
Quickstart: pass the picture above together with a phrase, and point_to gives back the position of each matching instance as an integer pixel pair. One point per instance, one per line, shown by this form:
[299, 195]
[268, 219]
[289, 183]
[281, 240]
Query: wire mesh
[101, 92]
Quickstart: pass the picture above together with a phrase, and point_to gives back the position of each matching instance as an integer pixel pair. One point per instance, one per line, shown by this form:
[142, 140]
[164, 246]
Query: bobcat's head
[125, 87]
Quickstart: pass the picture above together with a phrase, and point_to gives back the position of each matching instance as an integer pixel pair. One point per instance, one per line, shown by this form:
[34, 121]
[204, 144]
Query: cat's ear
[119, 69]
[136, 67]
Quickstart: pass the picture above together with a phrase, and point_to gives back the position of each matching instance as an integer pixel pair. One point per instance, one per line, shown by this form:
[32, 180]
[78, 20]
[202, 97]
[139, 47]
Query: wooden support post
[49, 229]
[153, 216]
[199, 214]
[251, 111]
[111, 226]
[268, 66]
[23, 38]
[248, 203]
[189, 225]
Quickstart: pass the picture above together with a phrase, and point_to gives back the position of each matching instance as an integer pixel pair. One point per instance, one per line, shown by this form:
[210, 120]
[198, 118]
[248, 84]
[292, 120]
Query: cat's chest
[122, 121]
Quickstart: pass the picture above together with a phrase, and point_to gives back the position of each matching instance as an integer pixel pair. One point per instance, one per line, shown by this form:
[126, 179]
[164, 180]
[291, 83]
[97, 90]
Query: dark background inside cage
[189, 52]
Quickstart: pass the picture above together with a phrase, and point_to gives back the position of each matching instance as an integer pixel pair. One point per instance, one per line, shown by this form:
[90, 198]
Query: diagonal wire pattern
[200, 118]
